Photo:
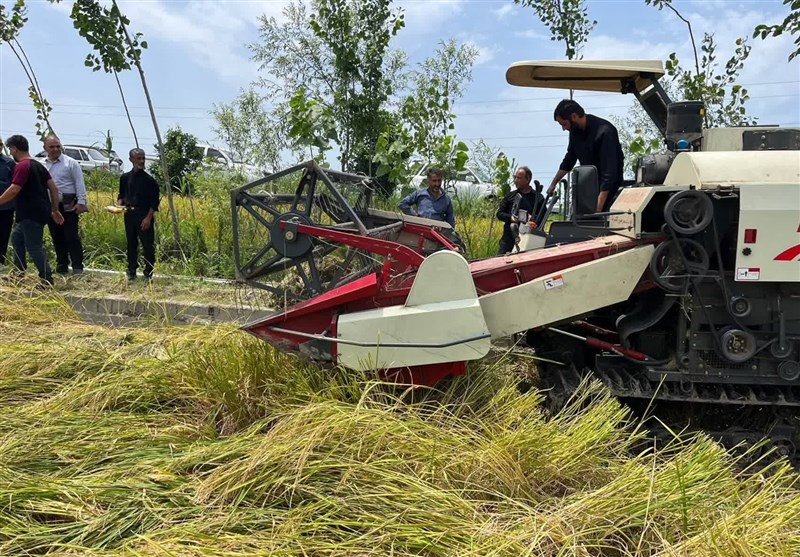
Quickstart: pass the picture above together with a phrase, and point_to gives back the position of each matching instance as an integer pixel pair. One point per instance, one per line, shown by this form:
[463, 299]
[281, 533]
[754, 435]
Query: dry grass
[203, 441]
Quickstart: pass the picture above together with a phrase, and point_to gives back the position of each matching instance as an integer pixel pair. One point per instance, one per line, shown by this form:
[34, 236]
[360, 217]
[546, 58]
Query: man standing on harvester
[592, 141]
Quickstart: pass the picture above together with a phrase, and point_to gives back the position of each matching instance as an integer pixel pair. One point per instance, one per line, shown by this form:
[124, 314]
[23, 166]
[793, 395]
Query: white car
[224, 159]
[89, 158]
[467, 183]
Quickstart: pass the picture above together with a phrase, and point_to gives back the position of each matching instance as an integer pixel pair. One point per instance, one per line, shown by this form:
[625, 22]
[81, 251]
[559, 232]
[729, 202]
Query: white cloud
[212, 33]
[530, 34]
[503, 11]
[427, 16]
[485, 53]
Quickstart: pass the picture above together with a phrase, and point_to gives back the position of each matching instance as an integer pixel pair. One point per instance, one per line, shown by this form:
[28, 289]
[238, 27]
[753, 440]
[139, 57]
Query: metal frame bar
[313, 336]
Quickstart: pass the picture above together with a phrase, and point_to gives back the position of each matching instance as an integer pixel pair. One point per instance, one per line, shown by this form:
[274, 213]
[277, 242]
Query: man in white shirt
[68, 176]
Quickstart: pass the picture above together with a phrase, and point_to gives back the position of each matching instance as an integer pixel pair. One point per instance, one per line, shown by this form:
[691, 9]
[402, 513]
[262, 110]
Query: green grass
[205, 227]
[205, 441]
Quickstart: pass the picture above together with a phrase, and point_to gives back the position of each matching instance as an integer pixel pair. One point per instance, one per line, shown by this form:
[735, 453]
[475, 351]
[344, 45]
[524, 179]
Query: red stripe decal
[789, 255]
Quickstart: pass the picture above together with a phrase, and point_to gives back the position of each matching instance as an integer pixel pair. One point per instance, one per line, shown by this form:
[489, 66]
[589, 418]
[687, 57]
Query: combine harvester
[686, 292]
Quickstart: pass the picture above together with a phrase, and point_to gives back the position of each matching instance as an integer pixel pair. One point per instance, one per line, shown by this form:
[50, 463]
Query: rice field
[203, 441]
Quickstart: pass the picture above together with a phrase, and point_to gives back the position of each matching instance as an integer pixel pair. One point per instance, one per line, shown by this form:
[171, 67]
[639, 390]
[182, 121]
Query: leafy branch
[791, 24]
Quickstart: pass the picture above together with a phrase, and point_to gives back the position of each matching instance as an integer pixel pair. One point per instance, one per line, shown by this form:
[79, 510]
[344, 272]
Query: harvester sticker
[748, 273]
[553, 282]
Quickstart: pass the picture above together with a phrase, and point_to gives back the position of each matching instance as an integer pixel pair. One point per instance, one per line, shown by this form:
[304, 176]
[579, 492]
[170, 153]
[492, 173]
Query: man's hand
[81, 208]
[120, 203]
[146, 222]
[58, 218]
[532, 224]
[551, 190]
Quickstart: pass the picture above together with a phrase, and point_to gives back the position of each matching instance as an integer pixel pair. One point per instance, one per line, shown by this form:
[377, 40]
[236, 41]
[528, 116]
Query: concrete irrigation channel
[106, 298]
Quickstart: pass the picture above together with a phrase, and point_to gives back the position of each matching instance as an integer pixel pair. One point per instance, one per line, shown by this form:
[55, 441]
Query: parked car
[109, 155]
[89, 158]
[224, 159]
[467, 183]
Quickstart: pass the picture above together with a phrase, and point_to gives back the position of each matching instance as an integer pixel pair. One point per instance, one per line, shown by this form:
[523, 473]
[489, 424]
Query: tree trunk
[32, 78]
[127, 112]
[173, 214]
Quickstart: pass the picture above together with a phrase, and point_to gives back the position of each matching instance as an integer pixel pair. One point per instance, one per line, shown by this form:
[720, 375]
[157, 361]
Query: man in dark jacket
[6, 209]
[592, 141]
[524, 202]
[138, 192]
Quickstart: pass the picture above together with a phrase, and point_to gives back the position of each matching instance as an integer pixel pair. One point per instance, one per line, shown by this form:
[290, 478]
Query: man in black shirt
[592, 141]
[138, 192]
[523, 198]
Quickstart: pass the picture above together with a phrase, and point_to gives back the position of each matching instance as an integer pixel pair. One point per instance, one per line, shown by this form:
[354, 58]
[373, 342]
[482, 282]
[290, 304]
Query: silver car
[89, 158]
[466, 183]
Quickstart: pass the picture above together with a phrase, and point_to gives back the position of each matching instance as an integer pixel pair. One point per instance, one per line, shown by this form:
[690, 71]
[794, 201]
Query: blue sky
[198, 56]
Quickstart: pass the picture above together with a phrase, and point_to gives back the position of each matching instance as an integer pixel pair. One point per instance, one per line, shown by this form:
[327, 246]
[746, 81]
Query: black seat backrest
[585, 189]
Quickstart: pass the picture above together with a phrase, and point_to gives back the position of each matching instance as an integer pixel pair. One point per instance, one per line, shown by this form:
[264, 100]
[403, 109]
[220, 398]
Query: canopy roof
[584, 75]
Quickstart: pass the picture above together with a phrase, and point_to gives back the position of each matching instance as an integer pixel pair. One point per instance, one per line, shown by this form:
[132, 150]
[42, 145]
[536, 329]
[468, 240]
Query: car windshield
[96, 155]
[481, 175]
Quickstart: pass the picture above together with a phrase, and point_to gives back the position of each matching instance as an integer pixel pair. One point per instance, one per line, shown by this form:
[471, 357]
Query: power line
[491, 101]
[593, 95]
[462, 114]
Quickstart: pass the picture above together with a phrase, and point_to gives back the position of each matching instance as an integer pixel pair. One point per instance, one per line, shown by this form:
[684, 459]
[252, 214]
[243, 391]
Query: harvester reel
[289, 263]
[674, 263]
[689, 212]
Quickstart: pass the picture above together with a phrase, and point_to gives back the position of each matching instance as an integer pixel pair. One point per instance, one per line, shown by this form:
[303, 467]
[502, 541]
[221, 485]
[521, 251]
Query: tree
[424, 129]
[179, 150]
[791, 24]
[311, 124]
[715, 86]
[438, 82]
[568, 21]
[106, 29]
[10, 26]
[101, 27]
[248, 131]
[134, 52]
[340, 56]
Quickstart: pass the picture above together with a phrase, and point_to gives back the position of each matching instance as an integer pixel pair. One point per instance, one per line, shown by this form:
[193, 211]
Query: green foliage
[99, 179]
[104, 29]
[392, 153]
[11, 23]
[790, 24]
[43, 109]
[724, 99]
[357, 33]
[248, 131]
[311, 124]
[502, 174]
[182, 156]
[339, 55]
[716, 86]
[450, 155]
[425, 119]
[568, 21]
[438, 81]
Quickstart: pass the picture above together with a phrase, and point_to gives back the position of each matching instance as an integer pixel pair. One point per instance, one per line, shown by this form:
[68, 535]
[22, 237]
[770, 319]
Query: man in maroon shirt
[37, 201]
